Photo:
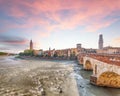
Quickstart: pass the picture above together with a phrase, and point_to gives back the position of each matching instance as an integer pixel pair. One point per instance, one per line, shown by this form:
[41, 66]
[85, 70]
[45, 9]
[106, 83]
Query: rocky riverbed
[36, 78]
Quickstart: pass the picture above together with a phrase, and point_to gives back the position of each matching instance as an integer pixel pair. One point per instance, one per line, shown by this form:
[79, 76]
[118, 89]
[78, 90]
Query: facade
[109, 50]
[35, 52]
[38, 52]
[90, 50]
[79, 46]
[71, 52]
[62, 53]
[100, 43]
[81, 50]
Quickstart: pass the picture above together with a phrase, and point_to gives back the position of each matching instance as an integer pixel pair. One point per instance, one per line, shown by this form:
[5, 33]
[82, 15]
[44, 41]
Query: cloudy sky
[58, 24]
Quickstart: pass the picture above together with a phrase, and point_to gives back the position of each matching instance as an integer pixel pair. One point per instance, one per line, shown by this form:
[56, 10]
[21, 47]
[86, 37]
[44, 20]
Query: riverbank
[47, 58]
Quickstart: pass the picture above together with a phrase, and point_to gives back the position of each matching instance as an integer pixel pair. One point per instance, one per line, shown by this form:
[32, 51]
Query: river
[87, 89]
[20, 77]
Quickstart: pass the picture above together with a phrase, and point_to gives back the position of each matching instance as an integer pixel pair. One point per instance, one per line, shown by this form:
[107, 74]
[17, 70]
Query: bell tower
[31, 45]
[100, 43]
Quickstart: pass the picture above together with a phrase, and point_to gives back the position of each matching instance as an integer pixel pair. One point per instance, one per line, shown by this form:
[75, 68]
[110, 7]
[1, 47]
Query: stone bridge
[80, 58]
[106, 69]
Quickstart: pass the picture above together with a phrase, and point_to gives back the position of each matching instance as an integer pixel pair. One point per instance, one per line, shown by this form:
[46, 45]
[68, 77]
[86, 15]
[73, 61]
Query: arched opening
[110, 79]
[88, 65]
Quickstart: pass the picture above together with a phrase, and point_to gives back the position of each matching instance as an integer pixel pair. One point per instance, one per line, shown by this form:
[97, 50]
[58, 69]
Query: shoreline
[44, 58]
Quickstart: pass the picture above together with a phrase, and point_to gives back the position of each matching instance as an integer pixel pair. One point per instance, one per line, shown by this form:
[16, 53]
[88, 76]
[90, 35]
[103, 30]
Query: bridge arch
[110, 79]
[88, 65]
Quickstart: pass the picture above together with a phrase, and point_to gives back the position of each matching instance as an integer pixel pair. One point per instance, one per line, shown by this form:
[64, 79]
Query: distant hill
[3, 53]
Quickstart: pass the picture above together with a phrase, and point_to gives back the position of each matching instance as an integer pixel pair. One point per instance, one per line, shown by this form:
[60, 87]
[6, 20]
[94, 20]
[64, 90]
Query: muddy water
[20, 77]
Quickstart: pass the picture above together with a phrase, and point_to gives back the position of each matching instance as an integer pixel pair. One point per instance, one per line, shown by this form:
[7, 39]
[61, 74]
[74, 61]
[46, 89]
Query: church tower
[100, 43]
[31, 45]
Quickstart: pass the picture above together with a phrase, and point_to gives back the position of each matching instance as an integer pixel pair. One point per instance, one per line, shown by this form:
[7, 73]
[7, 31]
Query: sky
[58, 24]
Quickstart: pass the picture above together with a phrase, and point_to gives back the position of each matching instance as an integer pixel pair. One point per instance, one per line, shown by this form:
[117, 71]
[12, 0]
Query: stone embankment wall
[48, 58]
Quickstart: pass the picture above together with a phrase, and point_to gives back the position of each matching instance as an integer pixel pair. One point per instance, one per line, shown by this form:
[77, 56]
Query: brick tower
[100, 43]
[31, 45]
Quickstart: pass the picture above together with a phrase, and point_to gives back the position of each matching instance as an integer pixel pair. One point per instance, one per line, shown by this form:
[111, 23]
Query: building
[61, 53]
[81, 50]
[109, 50]
[31, 45]
[79, 46]
[35, 52]
[38, 52]
[100, 42]
[73, 51]
[52, 53]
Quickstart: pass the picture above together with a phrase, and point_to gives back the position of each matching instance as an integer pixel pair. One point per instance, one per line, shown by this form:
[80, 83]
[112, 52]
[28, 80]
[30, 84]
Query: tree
[27, 53]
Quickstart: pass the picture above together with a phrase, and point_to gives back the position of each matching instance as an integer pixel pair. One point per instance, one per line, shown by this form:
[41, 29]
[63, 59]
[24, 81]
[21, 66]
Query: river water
[87, 89]
[19, 77]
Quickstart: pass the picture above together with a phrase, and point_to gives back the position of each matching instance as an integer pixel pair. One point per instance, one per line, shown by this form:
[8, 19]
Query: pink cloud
[18, 42]
[16, 12]
[90, 14]
[13, 40]
[94, 26]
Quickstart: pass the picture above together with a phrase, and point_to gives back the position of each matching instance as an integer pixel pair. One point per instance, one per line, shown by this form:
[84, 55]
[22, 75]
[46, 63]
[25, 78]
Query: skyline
[58, 24]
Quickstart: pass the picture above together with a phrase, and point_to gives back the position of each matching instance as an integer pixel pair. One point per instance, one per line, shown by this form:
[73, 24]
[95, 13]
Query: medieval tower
[31, 45]
[100, 43]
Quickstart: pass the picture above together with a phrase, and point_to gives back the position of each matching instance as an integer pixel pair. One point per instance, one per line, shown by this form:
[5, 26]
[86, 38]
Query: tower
[100, 43]
[79, 48]
[31, 45]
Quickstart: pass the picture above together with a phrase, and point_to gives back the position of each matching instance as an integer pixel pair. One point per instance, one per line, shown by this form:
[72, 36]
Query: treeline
[26, 53]
[3, 53]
